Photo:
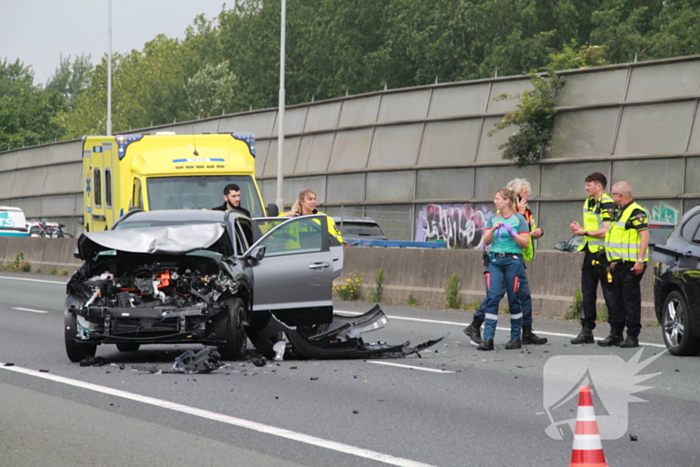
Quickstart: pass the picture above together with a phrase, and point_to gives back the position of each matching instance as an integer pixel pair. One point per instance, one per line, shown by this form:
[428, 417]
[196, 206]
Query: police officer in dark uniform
[598, 212]
[626, 246]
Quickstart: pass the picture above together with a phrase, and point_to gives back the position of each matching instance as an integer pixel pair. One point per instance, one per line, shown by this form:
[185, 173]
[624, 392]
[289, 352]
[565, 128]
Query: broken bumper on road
[341, 339]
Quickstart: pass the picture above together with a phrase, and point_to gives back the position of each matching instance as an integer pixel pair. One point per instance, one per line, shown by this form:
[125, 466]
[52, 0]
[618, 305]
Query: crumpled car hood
[177, 239]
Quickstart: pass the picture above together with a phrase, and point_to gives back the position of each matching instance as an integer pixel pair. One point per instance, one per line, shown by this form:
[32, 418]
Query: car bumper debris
[341, 339]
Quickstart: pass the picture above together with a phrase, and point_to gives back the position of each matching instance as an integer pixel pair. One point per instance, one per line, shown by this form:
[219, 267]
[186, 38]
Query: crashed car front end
[145, 287]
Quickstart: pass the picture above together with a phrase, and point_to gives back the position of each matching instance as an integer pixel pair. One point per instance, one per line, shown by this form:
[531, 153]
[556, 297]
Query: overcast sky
[39, 31]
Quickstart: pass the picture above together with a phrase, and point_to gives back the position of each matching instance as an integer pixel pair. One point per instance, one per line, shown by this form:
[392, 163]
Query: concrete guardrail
[419, 273]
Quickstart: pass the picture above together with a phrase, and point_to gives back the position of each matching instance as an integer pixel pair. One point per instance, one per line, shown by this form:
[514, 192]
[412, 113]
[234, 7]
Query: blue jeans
[525, 302]
[503, 275]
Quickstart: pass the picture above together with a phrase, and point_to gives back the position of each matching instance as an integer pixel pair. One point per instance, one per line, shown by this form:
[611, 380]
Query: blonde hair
[510, 195]
[519, 185]
[302, 194]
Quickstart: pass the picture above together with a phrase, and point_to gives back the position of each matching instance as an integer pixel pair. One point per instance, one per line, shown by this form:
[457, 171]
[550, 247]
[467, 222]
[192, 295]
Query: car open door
[293, 277]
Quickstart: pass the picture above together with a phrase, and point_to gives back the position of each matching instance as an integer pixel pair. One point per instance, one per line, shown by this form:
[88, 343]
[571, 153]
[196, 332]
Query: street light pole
[109, 69]
[280, 126]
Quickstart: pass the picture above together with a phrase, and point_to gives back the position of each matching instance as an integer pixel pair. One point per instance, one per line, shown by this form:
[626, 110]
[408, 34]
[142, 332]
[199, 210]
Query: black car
[196, 276]
[677, 286]
[362, 228]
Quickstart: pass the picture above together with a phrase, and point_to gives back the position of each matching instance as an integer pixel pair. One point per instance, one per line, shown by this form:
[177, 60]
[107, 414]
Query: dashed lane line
[29, 310]
[410, 367]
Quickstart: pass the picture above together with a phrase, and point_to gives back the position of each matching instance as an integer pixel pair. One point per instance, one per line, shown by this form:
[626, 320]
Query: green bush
[350, 290]
[411, 300]
[575, 310]
[376, 292]
[534, 118]
[452, 298]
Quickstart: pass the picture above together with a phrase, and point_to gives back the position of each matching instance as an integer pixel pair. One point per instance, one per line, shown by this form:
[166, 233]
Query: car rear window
[360, 229]
[658, 234]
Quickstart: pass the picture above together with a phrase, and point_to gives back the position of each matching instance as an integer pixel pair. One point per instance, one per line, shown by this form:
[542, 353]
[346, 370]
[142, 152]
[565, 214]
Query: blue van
[12, 222]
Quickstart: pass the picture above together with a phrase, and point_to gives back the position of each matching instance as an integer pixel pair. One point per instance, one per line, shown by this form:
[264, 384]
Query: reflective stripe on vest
[620, 242]
[592, 221]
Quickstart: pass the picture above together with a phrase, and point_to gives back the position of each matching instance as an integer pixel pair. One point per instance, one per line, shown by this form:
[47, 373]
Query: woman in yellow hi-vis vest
[305, 205]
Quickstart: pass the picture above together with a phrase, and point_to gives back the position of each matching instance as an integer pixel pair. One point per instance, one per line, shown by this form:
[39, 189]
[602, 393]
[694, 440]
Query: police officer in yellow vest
[626, 247]
[598, 212]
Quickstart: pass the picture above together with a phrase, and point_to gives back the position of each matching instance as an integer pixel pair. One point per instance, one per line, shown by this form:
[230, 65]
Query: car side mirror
[272, 210]
[561, 246]
[257, 254]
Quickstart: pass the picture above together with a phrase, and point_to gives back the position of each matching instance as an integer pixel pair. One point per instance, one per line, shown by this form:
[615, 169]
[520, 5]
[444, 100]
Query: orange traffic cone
[588, 449]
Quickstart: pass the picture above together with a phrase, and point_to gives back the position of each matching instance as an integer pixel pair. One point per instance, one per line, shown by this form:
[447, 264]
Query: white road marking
[29, 309]
[239, 422]
[31, 280]
[452, 323]
[410, 367]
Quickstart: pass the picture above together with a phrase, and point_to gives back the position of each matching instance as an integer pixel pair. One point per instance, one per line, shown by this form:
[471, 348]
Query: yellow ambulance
[165, 171]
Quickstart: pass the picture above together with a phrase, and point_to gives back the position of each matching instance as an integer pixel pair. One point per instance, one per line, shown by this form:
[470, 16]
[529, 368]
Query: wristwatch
[640, 261]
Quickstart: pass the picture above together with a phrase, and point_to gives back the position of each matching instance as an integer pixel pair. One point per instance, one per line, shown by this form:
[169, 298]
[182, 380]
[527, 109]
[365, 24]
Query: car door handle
[319, 265]
[335, 258]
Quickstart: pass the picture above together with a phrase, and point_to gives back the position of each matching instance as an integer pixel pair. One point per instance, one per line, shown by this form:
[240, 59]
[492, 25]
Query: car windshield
[200, 192]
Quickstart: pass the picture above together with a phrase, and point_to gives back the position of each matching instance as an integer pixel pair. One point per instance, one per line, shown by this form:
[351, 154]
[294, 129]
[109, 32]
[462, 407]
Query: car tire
[128, 347]
[76, 351]
[675, 324]
[236, 337]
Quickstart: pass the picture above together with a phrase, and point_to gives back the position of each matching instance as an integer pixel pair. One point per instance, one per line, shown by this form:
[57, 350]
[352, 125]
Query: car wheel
[128, 347]
[236, 337]
[676, 326]
[75, 350]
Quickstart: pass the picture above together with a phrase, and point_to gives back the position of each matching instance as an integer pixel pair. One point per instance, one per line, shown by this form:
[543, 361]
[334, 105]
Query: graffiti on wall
[664, 212]
[458, 225]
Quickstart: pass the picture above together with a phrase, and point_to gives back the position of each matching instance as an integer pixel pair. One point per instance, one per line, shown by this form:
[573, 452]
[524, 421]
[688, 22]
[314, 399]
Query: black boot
[486, 344]
[631, 341]
[584, 337]
[514, 344]
[614, 339]
[530, 337]
[474, 331]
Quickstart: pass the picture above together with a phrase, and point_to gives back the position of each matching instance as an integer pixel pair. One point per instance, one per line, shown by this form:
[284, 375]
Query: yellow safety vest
[622, 243]
[592, 221]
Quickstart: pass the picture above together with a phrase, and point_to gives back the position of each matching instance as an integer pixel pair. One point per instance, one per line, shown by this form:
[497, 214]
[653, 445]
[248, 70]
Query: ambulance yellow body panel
[165, 171]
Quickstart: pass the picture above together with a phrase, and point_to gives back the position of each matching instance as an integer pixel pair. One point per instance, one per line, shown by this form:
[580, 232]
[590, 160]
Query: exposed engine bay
[122, 297]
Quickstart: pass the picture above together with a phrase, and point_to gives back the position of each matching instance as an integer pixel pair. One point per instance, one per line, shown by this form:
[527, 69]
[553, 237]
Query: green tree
[70, 78]
[210, 90]
[26, 111]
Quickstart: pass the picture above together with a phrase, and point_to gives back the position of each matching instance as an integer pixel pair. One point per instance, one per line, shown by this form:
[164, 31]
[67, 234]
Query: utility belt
[493, 255]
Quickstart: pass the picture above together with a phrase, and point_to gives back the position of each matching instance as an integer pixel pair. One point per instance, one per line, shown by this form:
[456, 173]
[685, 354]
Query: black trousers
[594, 271]
[627, 299]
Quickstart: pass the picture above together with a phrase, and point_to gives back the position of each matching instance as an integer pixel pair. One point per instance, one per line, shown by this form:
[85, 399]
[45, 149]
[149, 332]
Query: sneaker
[513, 344]
[474, 332]
[630, 342]
[584, 337]
[486, 344]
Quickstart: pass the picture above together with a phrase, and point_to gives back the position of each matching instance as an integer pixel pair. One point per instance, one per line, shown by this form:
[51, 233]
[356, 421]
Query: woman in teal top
[508, 233]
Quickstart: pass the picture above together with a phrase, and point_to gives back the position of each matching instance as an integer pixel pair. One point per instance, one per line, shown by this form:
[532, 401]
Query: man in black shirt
[232, 200]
